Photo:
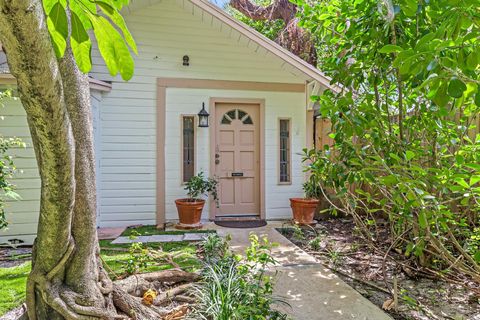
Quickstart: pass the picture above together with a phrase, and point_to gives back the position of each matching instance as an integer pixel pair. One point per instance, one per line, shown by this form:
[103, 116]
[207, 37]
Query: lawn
[118, 260]
[12, 286]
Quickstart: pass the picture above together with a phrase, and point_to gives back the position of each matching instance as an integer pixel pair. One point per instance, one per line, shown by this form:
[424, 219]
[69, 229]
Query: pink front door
[237, 158]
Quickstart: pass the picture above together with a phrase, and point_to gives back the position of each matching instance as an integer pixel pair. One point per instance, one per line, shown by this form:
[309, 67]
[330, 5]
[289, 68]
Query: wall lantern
[186, 60]
[203, 117]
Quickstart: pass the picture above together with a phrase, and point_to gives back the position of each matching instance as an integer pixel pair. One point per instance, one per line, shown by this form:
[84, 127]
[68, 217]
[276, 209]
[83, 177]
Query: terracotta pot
[304, 210]
[189, 213]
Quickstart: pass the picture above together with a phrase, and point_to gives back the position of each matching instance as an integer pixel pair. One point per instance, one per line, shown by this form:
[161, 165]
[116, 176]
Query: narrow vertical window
[284, 151]
[188, 124]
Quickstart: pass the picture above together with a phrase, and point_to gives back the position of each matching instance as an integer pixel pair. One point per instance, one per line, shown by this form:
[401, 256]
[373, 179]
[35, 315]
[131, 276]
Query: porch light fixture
[203, 117]
[186, 60]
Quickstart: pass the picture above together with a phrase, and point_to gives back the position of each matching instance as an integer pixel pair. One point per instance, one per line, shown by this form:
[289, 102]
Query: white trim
[99, 85]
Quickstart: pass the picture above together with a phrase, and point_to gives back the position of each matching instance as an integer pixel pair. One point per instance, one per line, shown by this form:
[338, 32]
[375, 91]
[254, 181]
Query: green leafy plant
[199, 185]
[103, 18]
[139, 258]
[215, 247]
[314, 244]
[312, 188]
[404, 128]
[236, 287]
[7, 167]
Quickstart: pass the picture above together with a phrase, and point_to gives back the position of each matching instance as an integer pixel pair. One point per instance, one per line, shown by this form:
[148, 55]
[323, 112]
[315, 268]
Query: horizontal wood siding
[277, 105]
[22, 215]
[165, 32]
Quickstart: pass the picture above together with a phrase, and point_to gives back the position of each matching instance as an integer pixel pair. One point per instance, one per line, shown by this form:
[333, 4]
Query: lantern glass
[203, 117]
[203, 121]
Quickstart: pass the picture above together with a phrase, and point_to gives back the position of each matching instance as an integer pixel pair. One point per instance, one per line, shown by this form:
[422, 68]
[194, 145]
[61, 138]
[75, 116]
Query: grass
[181, 253]
[115, 256]
[12, 286]
[152, 230]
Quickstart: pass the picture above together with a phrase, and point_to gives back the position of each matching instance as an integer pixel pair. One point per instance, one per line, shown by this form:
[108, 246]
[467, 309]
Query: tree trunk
[292, 37]
[67, 280]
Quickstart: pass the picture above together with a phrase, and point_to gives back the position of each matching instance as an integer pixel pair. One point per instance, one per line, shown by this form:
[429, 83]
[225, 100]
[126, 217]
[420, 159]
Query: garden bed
[336, 244]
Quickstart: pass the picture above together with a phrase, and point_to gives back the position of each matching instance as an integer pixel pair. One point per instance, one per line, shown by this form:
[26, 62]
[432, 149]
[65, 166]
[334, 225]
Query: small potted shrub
[304, 208]
[190, 209]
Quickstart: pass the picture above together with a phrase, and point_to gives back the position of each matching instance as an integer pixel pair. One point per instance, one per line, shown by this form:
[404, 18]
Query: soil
[421, 296]
[11, 257]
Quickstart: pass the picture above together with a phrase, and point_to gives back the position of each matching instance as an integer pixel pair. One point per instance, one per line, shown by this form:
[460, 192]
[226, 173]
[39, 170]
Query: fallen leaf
[388, 304]
[149, 296]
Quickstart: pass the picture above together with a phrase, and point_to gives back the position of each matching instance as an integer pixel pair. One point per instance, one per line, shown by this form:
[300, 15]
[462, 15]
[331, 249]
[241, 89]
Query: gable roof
[269, 45]
[311, 74]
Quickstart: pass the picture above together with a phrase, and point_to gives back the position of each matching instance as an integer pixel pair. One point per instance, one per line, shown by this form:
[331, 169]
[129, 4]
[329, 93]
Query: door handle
[217, 155]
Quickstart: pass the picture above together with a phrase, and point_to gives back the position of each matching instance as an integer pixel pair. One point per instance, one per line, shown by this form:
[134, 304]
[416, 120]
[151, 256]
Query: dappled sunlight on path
[312, 291]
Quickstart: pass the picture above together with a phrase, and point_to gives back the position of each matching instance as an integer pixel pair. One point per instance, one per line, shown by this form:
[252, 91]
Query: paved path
[313, 291]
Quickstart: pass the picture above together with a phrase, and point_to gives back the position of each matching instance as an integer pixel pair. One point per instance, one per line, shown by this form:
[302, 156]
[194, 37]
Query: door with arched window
[237, 159]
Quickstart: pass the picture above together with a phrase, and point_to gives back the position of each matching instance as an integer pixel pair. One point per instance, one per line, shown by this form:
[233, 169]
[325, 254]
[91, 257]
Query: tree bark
[292, 37]
[67, 281]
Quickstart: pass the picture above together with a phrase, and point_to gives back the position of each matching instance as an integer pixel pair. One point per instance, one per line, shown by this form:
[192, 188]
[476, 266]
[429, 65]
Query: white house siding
[164, 33]
[22, 215]
[277, 105]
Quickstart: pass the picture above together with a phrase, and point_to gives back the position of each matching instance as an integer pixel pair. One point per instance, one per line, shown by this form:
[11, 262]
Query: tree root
[171, 294]
[122, 298]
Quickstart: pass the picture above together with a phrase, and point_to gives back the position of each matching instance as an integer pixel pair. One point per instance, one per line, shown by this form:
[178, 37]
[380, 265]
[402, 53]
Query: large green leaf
[456, 87]
[57, 24]
[81, 44]
[118, 20]
[389, 48]
[112, 47]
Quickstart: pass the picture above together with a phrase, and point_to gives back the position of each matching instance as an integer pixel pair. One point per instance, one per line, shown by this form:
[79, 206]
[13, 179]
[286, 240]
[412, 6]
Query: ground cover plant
[235, 287]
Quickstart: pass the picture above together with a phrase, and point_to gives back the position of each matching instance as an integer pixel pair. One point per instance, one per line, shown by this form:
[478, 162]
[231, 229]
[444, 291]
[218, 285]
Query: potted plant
[304, 208]
[190, 209]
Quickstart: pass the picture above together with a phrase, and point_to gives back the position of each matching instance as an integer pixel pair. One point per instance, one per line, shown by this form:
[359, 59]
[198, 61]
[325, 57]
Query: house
[147, 136]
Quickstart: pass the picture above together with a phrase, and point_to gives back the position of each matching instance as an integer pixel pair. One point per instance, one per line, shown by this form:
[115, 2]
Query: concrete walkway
[313, 291]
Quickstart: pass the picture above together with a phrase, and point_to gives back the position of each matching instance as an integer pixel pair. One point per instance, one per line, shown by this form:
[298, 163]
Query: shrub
[236, 287]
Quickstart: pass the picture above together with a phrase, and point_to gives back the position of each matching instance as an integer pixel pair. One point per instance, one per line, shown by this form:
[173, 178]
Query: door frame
[212, 130]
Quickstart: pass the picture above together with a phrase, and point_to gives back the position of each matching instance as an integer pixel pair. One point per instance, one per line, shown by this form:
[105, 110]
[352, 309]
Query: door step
[238, 218]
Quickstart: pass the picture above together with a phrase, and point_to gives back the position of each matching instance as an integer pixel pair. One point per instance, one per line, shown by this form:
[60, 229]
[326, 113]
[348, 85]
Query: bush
[236, 287]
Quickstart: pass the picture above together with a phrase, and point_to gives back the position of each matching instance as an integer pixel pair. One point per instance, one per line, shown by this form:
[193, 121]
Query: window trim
[279, 182]
[195, 120]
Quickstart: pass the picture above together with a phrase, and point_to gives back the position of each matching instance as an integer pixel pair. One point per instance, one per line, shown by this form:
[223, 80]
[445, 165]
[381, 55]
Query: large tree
[48, 51]
[291, 36]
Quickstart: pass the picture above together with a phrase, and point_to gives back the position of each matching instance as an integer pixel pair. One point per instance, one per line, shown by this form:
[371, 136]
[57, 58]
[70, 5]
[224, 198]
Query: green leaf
[113, 48]
[81, 44]
[389, 48]
[409, 155]
[118, 20]
[57, 24]
[422, 220]
[462, 182]
[477, 98]
[456, 87]
[474, 179]
[476, 256]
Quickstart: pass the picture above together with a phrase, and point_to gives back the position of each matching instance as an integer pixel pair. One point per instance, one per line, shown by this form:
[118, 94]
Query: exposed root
[122, 298]
[171, 294]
